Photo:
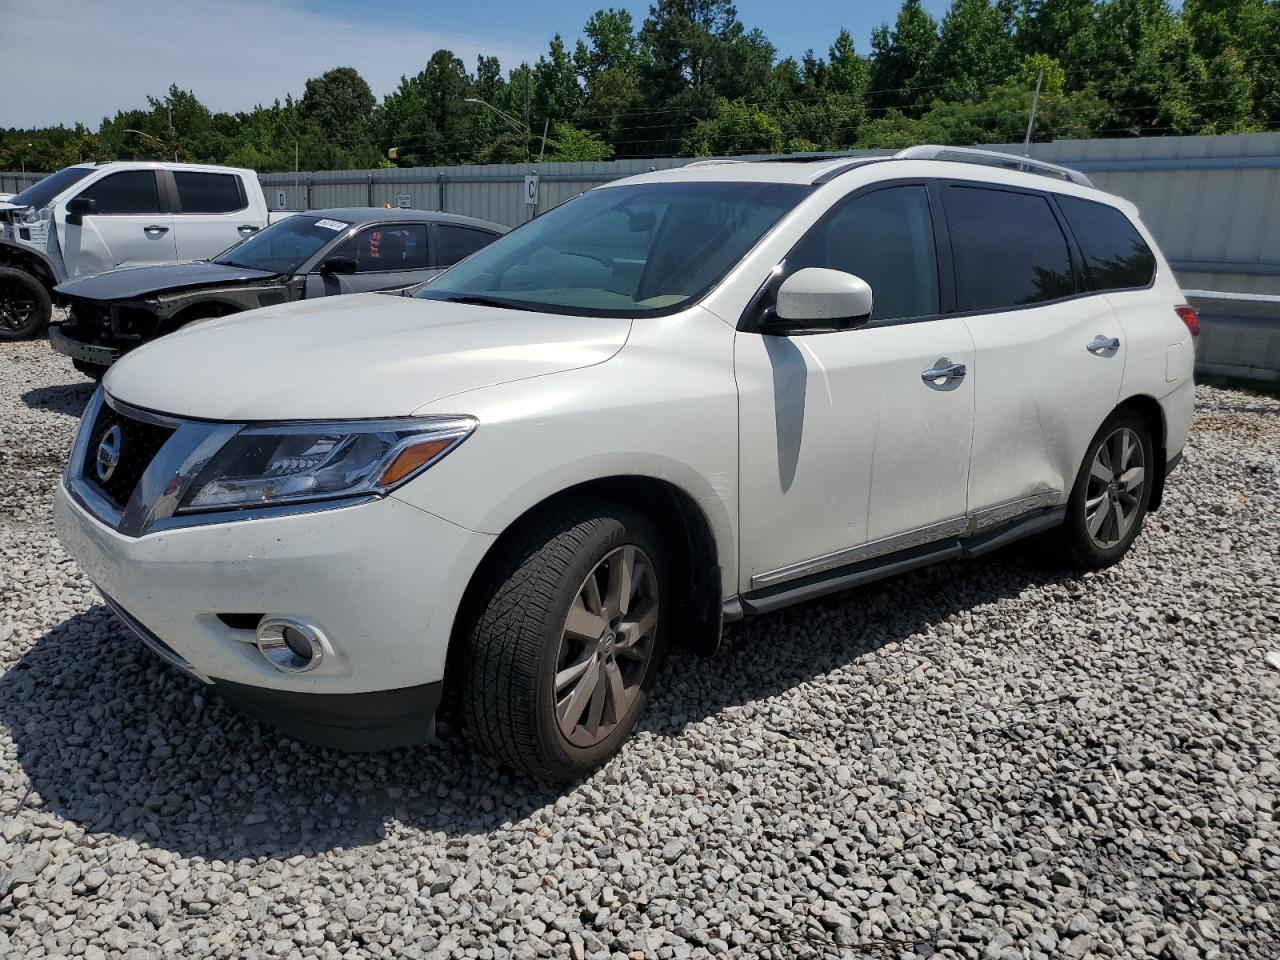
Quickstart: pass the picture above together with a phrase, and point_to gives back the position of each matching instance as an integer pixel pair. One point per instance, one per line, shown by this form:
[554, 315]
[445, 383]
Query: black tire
[90, 370]
[512, 639]
[25, 306]
[1081, 547]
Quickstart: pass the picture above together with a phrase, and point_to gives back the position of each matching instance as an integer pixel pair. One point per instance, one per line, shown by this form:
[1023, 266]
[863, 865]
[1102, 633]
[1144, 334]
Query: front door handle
[1100, 345]
[155, 230]
[246, 229]
[945, 371]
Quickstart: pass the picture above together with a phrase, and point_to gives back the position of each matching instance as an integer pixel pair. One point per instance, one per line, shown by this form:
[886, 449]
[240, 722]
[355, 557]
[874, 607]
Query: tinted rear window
[208, 192]
[1009, 250]
[1117, 256]
[456, 243]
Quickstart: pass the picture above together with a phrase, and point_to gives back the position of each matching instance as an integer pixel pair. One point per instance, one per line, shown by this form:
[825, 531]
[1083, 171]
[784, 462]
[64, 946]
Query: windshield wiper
[476, 300]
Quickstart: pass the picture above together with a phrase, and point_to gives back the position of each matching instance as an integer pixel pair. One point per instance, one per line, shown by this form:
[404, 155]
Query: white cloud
[68, 61]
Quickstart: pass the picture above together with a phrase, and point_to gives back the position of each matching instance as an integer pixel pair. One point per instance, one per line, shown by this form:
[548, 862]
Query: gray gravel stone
[991, 759]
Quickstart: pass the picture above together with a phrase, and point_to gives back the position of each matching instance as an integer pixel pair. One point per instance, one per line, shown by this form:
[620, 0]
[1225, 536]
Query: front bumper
[382, 581]
[92, 353]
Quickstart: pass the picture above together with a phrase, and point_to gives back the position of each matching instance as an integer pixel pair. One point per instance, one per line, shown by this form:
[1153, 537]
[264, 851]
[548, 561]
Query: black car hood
[130, 282]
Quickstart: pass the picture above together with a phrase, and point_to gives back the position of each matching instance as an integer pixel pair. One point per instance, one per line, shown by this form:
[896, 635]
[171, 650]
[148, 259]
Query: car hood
[363, 355]
[129, 282]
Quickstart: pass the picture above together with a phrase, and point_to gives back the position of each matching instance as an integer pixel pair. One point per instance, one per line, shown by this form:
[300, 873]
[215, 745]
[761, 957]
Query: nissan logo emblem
[108, 456]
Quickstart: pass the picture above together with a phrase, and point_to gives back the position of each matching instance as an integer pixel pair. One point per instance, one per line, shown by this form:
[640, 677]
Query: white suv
[677, 400]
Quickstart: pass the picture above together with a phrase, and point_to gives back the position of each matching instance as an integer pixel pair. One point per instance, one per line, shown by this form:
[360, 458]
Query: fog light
[290, 646]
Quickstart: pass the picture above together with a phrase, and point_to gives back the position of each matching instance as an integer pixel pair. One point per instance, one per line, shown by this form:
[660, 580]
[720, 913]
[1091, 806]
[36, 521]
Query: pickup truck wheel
[1111, 493]
[564, 638]
[25, 306]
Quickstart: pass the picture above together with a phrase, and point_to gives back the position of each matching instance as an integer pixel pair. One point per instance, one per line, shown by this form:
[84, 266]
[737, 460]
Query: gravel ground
[991, 759]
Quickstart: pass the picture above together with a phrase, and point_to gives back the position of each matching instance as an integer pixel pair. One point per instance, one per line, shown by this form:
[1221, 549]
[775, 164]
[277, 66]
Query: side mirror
[815, 299]
[80, 207]
[339, 266]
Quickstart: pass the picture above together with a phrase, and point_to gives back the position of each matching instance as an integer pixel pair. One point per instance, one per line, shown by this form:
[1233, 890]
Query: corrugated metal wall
[1212, 202]
[488, 191]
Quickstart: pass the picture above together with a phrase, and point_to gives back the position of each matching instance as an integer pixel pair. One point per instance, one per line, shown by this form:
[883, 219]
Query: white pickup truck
[97, 216]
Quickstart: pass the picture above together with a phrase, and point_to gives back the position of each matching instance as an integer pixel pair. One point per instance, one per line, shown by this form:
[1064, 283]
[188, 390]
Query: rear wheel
[565, 635]
[25, 306]
[1111, 493]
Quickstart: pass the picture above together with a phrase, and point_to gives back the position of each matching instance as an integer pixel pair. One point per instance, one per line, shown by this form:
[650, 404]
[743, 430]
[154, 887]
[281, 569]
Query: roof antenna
[1031, 121]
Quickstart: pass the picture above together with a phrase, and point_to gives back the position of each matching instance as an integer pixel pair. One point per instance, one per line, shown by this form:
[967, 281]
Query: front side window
[1115, 253]
[208, 192]
[886, 238]
[457, 243]
[129, 191]
[285, 245]
[382, 248]
[624, 251]
[1008, 249]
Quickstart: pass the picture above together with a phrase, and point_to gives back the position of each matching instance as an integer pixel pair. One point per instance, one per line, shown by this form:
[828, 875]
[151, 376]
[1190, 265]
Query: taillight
[1191, 317]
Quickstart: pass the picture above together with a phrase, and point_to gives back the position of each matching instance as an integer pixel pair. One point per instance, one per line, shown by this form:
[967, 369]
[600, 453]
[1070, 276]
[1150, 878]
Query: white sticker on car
[332, 224]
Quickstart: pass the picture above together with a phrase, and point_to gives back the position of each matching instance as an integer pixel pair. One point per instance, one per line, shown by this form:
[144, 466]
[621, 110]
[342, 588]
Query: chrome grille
[139, 444]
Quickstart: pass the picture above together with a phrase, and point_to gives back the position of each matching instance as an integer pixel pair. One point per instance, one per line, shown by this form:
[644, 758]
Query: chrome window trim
[963, 526]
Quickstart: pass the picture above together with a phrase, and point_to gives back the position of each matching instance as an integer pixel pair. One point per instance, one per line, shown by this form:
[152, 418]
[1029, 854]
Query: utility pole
[1031, 121]
[545, 124]
[528, 82]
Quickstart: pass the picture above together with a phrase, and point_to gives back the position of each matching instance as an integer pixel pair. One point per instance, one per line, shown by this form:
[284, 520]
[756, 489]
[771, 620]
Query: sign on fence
[531, 189]
[282, 198]
[404, 200]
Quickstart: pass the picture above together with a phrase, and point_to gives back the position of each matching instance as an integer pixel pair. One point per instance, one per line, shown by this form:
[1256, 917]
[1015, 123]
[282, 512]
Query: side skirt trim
[821, 584]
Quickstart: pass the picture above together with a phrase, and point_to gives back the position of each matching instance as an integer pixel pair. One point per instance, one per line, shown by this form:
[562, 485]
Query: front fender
[647, 412]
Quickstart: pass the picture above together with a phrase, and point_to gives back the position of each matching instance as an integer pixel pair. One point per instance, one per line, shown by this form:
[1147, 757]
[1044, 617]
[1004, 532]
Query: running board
[816, 585]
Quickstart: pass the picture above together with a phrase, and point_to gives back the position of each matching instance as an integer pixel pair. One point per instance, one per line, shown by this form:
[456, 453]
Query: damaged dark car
[319, 253]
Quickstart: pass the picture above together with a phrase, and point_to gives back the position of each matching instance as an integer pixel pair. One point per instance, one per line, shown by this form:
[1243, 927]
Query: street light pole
[144, 134]
[516, 124]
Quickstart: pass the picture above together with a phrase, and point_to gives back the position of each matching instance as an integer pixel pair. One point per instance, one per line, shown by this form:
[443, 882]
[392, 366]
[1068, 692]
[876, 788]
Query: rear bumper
[93, 353]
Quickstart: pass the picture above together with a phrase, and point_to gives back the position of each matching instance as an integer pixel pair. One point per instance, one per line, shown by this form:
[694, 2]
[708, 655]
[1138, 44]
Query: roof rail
[710, 163]
[993, 158]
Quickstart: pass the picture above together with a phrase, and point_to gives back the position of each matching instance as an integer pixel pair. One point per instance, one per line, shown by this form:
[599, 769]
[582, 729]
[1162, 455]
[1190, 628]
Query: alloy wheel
[17, 307]
[1117, 484]
[606, 646]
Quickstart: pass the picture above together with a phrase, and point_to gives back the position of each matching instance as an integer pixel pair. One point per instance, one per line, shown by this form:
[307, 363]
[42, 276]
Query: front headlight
[292, 462]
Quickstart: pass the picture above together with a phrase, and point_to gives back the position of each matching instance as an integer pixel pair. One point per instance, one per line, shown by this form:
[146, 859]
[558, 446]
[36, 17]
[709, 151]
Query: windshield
[41, 193]
[621, 251]
[284, 246]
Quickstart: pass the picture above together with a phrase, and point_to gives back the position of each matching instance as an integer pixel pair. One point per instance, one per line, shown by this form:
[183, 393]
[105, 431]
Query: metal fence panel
[1213, 204]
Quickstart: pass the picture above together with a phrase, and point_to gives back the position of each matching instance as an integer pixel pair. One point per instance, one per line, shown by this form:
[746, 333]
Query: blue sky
[793, 25]
[69, 61]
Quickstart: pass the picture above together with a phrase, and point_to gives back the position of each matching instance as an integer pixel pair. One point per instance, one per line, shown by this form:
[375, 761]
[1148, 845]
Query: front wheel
[25, 306]
[1111, 493]
[566, 630]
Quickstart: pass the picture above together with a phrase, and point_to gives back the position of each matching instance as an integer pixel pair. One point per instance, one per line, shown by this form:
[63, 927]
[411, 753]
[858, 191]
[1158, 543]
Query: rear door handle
[155, 230]
[1100, 345]
[944, 370]
[246, 229]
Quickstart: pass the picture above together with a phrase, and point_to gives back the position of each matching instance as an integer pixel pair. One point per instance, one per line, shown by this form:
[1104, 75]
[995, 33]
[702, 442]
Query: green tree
[573, 144]
[340, 105]
[557, 95]
[975, 50]
[611, 44]
[901, 58]
[736, 128]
